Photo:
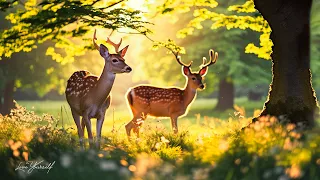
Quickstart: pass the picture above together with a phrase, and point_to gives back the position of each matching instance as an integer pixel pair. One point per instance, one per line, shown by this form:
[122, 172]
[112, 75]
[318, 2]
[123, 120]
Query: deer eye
[114, 60]
[194, 78]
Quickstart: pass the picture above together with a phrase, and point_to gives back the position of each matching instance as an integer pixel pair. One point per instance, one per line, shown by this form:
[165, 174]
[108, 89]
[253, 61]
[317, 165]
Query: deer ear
[123, 51]
[203, 71]
[186, 70]
[104, 52]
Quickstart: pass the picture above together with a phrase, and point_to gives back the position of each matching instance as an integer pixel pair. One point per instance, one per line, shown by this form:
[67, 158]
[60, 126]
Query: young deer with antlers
[166, 102]
[89, 95]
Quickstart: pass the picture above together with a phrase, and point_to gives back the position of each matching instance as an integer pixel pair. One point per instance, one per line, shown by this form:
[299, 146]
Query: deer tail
[130, 98]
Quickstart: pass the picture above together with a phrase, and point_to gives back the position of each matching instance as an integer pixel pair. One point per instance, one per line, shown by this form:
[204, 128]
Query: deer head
[195, 78]
[114, 62]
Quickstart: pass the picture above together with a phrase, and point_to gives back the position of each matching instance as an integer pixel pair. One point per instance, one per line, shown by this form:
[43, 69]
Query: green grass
[202, 106]
[118, 116]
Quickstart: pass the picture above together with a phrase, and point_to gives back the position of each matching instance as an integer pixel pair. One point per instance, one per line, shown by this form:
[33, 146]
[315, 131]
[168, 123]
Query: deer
[144, 100]
[89, 95]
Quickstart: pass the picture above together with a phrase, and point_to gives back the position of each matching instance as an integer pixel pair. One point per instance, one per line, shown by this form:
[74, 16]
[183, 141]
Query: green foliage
[239, 21]
[65, 22]
[243, 69]
[315, 45]
[6, 4]
[34, 70]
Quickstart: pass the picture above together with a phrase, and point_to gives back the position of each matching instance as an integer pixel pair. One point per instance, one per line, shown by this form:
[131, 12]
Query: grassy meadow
[209, 145]
[118, 116]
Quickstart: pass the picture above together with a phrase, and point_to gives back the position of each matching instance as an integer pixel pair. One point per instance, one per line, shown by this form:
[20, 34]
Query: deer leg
[131, 125]
[174, 124]
[83, 125]
[138, 124]
[136, 128]
[100, 121]
[76, 118]
[87, 122]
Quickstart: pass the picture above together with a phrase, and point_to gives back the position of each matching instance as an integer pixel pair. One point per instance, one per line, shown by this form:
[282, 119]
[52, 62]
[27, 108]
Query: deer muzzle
[127, 69]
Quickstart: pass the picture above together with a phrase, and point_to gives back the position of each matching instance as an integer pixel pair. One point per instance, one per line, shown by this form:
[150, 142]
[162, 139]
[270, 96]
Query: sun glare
[138, 5]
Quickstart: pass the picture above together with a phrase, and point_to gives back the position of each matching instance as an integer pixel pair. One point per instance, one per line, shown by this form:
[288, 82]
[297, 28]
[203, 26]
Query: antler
[178, 58]
[212, 59]
[116, 46]
[94, 40]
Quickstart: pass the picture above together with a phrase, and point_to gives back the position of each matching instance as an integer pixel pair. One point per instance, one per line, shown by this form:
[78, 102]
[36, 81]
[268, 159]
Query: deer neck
[104, 84]
[189, 94]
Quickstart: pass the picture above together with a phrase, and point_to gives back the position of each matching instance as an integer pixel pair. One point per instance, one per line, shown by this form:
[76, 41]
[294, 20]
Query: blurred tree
[315, 45]
[291, 93]
[64, 23]
[33, 70]
[234, 67]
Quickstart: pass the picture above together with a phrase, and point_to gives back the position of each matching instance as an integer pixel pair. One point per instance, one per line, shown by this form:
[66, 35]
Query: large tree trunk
[8, 98]
[226, 95]
[291, 94]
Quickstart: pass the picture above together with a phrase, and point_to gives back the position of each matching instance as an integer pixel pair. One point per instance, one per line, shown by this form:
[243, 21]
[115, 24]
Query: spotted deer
[145, 100]
[89, 95]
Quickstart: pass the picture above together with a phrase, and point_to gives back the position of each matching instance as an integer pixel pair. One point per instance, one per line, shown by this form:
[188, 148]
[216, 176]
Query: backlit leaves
[65, 22]
[204, 12]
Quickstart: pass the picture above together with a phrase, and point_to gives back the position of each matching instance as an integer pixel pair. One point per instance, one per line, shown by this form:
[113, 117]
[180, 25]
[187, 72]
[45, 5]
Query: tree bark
[291, 94]
[226, 95]
[8, 98]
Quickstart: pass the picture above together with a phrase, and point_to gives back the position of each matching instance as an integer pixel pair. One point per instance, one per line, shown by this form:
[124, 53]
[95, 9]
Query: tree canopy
[64, 22]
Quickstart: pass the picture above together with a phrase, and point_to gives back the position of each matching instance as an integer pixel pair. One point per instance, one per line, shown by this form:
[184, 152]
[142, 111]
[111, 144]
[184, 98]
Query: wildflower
[100, 155]
[16, 153]
[223, 145]
[10, 142]
[124, 162]
[16, 145]
[287, 144]
[158, 145]
[132, 168]
[40, 139]
[290, 126]
[237, 161]
[294, 171]
[164, 140]
[25, 156]
[27, 135]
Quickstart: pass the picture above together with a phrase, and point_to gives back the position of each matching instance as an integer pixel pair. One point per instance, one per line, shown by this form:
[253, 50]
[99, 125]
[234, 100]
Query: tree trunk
[291, 94]
[8, 98]
[226, 95]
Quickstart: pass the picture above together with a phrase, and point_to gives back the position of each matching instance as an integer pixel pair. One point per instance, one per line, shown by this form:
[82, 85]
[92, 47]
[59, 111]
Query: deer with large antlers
[166, 102]
[89, 95]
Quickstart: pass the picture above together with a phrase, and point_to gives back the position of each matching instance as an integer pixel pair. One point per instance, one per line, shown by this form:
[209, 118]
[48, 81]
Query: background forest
[238, 74]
